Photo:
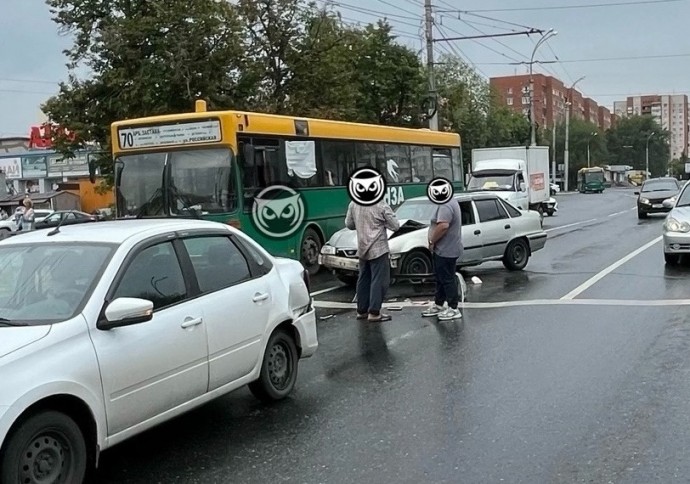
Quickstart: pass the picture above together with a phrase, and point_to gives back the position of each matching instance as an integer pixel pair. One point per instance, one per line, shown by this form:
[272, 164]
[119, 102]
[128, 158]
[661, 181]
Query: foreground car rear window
[47, 283]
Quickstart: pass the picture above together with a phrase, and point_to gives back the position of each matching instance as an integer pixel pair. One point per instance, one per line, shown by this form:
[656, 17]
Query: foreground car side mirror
[126, 311]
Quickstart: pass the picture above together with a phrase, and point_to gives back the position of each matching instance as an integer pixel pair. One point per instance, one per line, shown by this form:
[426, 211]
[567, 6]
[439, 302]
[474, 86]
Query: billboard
[34, 167]
[11, 167]
[60, 166]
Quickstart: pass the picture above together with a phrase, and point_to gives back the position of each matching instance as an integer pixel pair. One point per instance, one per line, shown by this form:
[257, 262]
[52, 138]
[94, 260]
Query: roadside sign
[687, 168]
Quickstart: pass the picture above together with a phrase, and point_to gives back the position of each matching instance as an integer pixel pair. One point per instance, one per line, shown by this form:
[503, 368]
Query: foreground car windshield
[660, 186]
[46, 283]
[419, 211]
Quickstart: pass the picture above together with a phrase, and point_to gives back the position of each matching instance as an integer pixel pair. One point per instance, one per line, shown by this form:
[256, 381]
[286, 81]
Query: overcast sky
[32, 63]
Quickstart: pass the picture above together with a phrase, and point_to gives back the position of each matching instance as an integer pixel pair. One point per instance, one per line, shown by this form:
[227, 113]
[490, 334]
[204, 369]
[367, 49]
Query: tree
[145, 57]
[627, 142]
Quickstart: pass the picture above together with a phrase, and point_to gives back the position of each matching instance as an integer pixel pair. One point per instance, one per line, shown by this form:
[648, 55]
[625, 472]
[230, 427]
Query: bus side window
[337, 161]
[442, 163]
[422, 171]
[368, 155]
[399, 165]
[457, 164]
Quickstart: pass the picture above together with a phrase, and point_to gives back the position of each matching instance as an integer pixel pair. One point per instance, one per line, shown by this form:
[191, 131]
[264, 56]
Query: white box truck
[518, 174]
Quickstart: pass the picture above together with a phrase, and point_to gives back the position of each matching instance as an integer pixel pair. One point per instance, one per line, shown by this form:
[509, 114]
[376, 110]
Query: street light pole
[566, 154]
[646, 173]
[533, 134]
[588, 141]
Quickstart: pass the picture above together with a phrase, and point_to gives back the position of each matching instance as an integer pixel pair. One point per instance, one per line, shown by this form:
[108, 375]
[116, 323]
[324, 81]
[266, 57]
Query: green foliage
[149, 57]
[627, 143]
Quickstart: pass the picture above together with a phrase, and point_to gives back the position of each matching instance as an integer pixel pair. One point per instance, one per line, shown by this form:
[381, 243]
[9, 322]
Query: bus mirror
[248, 153]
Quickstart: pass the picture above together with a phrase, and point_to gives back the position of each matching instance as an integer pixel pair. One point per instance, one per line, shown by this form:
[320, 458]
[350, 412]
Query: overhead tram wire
[603, 59]
[457, 53]
[567, 7]
[370, 12]
[385, 2]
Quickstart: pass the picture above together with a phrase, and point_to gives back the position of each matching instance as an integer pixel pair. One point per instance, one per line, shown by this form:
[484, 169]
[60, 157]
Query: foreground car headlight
[644, 200]
[673, 225]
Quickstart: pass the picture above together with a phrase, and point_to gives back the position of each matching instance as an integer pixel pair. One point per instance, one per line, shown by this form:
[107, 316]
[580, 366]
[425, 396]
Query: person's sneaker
[432, 310]
[449, 315]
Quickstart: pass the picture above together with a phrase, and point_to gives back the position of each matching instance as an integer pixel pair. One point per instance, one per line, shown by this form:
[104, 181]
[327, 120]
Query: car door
[149, 368]
[495, 226]
[471, 235]
[236, 305]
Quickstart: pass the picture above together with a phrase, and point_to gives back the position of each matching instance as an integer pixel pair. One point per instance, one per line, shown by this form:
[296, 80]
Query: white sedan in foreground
[109, 329]
[492, 230]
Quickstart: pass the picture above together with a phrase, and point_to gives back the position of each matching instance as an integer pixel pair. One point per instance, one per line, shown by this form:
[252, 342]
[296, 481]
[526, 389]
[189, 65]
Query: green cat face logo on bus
[278, 211]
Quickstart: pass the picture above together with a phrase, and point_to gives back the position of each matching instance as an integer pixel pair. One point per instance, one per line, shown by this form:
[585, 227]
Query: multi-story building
[670, 111]
[604, 118]
[550, 95]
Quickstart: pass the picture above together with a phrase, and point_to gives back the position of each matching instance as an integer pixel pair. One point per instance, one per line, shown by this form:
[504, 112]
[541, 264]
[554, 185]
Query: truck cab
[505, 177]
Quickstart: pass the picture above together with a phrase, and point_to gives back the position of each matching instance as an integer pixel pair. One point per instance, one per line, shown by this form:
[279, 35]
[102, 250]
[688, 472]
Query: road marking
[619, 213]
[571, 225]
[597, 277]
[533, 302]
[324, 291]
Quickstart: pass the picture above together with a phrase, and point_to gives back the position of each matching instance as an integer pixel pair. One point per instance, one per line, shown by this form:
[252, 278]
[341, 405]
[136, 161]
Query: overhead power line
[599, 59]
[369, 11]
[565, 7]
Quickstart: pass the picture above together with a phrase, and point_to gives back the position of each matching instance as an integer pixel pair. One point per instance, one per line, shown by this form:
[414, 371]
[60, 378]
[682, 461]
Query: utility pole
[566, 154]
[533, 133]
[553, 152]
[433, 95]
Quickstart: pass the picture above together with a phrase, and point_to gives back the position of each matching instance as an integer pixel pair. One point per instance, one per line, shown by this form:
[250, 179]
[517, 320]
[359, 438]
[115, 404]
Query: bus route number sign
[169, 135]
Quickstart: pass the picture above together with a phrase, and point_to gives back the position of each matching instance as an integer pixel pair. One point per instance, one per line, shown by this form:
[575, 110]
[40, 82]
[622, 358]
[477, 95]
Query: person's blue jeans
[446, 281]
[372, 284]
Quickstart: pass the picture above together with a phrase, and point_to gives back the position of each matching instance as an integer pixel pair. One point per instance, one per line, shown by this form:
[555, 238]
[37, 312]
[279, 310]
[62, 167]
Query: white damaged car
[492, 230]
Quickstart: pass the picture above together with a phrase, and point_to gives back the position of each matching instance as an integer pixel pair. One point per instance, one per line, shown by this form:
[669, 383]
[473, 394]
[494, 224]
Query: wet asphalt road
[528, 387]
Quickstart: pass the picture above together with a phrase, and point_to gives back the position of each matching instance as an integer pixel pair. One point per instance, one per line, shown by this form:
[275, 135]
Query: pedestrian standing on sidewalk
[371, 216]
[446, 246]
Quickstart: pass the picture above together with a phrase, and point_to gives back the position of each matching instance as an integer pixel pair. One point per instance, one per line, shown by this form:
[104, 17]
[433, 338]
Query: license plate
[340, 263]
[657, 205]
[328, 250]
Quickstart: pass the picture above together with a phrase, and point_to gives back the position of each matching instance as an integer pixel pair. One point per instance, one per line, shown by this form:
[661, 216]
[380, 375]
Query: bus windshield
[594, 176]
[175, 182]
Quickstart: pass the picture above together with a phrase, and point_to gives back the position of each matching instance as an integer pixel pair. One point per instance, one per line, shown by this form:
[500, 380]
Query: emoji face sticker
[440, 190]
[278, 211]
[367, 186]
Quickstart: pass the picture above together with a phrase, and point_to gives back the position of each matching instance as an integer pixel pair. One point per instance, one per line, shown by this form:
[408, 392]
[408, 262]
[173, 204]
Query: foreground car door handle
[507, 226]
[258, 297]
[477, 232]
[190, 323]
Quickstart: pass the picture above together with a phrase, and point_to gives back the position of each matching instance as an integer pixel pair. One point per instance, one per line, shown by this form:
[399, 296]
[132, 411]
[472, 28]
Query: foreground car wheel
[516, 255]
[47, 448]
[310, 249]
[278, 370]
[417, 262]
[672, 259]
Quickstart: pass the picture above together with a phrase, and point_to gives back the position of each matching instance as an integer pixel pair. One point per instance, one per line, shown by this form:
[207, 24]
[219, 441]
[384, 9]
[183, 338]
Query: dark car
[68, 217]
[654, 193]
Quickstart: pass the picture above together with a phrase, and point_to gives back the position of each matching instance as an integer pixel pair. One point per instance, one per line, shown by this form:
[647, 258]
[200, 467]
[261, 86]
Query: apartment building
[550, 96]
[670, 111]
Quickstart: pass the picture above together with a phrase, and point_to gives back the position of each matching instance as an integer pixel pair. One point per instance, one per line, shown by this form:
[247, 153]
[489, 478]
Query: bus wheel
[310, 250]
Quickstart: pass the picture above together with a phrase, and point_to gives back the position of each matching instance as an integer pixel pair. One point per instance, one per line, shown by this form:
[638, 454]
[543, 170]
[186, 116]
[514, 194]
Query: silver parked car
[108, 329]
[676, 231]
[492, 229]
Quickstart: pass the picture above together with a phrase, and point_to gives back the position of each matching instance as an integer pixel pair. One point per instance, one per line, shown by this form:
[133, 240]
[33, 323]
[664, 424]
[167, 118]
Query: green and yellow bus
[591, 180]
[213, 165]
